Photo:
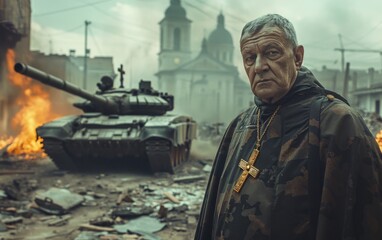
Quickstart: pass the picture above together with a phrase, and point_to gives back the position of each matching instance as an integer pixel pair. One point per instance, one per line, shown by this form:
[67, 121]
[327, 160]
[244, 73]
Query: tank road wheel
[178, 157]
[161, 155]
[182, 154]
[57, 153]
[174, 158]
[187, 149]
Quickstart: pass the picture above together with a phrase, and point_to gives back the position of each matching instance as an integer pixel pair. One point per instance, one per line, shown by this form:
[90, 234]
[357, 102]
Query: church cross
[248, 169]
[122, 72]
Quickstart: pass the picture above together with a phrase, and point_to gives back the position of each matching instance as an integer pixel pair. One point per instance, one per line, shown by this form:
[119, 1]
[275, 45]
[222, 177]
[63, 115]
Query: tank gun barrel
[56, 82]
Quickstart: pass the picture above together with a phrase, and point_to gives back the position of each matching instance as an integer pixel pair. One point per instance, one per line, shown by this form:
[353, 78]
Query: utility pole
[86, 54]
[342, 50]
[342, 53]
[346, 81]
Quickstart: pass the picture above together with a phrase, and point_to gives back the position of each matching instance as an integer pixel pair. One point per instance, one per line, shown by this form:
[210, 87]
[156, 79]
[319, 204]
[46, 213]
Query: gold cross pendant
[248, 169]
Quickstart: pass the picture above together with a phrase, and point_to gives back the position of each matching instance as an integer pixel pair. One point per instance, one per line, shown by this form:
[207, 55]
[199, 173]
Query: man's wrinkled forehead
[266, 32]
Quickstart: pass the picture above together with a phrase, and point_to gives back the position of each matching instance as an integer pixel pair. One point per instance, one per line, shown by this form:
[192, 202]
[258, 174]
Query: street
[37, 200]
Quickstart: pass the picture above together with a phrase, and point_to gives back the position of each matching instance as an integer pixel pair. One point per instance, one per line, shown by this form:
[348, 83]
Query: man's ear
[298, 56]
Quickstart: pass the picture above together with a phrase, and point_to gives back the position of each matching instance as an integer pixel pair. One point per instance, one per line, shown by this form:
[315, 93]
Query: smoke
[203, 150]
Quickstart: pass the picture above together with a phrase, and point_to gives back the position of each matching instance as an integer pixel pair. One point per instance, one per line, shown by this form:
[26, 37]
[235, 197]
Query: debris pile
[60, 205]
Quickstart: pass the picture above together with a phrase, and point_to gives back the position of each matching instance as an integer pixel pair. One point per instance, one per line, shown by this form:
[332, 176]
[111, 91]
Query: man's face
[270, 62]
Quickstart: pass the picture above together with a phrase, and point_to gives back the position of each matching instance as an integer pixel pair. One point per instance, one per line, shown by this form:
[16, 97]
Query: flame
[34, 110]
[378, 138]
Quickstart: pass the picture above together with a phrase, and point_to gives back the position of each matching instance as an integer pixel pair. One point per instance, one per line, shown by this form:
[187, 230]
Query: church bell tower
[175, 37]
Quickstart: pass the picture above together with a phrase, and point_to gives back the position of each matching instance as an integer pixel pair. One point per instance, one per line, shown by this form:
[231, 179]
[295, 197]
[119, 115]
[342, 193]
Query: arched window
[177, 39]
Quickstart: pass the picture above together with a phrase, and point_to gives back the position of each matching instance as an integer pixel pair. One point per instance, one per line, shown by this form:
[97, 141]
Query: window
[177, 39]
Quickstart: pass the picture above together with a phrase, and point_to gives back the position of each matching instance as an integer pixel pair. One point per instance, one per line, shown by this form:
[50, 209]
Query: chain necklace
[260, 136]
[248, 167]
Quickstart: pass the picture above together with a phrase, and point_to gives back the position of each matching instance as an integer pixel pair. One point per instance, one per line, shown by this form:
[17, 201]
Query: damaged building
[15, 19]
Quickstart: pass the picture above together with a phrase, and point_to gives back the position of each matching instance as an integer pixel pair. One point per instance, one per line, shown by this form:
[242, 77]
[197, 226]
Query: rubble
[141, 225]
[96, 228]
[189, 178]
[59, 221]
[101, 206]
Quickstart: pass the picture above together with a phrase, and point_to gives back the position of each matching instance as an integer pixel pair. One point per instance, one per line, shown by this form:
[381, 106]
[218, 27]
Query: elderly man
[300, 163]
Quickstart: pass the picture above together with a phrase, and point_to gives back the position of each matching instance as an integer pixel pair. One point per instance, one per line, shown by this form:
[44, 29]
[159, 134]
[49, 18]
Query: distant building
[367, 93]
[364, 88]
[97, 67]
[208, 86]
[70, 68]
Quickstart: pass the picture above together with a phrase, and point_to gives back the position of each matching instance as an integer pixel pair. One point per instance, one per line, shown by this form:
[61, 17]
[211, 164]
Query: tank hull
[94, 140]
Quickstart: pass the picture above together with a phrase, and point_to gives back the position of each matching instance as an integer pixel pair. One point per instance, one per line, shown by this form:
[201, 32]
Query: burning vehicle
[119, 127]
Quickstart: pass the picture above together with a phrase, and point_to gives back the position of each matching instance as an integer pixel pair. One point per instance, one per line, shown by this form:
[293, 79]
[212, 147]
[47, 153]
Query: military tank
[118, 127]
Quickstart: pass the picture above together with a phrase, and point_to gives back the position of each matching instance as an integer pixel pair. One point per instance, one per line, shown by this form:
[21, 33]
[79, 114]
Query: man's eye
[250, 60]
[272, 54]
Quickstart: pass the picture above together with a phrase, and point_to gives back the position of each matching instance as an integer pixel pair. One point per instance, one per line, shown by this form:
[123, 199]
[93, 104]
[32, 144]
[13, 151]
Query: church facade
[208, 86]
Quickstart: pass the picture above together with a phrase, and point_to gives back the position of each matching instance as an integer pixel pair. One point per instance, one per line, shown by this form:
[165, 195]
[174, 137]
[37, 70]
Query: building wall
[70, 69]
[169, 56]
[206, 96]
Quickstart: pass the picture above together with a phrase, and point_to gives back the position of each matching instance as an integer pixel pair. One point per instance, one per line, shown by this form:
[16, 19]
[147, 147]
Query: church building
[208, 86]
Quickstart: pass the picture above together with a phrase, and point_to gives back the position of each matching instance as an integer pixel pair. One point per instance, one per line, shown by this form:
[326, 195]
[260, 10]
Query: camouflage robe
[276, 204]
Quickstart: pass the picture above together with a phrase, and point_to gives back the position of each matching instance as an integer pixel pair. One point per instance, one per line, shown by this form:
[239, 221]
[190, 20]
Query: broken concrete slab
[102, 221]
[87, 235]
[59, 221]
[3, 195]
[12, 220]
[131, 211]
[144, 224]
[57, 201]
[185, 179]
[207, 168]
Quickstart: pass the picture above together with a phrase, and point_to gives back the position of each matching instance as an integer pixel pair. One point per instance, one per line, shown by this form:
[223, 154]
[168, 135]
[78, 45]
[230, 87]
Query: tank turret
[119, 127]
[144, 100]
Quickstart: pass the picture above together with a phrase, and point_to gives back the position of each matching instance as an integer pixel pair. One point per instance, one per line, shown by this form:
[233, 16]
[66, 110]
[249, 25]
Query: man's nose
[261, 64]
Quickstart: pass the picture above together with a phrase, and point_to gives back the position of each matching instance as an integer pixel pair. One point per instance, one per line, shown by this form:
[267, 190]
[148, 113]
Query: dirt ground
[110, 199]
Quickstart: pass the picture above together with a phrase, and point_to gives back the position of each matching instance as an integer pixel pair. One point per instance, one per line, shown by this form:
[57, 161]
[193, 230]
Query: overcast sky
[128, 30]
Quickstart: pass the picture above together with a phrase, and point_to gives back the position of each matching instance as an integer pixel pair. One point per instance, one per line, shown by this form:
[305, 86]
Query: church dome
[220, 35]
[175, 10]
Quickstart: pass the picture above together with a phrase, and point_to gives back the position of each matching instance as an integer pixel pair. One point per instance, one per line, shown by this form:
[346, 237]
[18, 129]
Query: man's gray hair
[271, 20]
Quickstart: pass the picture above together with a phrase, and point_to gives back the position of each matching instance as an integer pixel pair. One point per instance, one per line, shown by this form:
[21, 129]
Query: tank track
[164, 157]
[56, 151]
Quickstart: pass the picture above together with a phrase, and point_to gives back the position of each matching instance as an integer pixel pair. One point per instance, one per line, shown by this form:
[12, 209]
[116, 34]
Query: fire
[378, 137]
[34, 110]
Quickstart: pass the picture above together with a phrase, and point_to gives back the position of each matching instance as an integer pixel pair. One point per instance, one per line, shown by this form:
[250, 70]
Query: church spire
[220, 20]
